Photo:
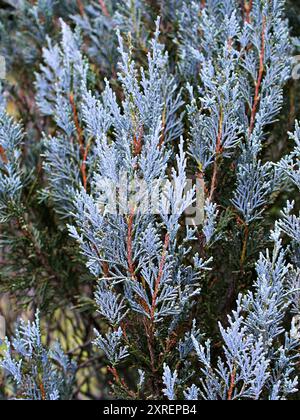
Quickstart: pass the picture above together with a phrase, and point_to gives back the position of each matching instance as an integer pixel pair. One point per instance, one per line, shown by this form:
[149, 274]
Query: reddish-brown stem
[170, 343]
[105, 268]
[130, 261]
[104, 8]
[80, 7]
[244, 249]
[84, 150]
[138, 143]
[232, 384]
[260, 78]
[120, 381]
[83, 166]
[77, 124]
[162, 137]
[124, 330]
[214, 181]
[3, 155]
[159, 276]
[148, 326]
[43, 392]
[248, 9]
[149, 323]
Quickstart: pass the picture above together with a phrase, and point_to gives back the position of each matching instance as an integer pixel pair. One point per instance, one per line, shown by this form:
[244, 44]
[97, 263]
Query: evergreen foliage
[148, 190]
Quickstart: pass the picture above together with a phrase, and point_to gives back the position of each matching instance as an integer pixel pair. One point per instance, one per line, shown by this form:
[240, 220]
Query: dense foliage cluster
[149, 200]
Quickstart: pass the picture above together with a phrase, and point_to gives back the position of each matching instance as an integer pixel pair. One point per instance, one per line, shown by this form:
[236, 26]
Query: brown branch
[214, 179]
[138, 143]
[131, 265]
[253, 116]
[3, 155]
[43, 392]
[160, 275]
[260, 78]
[104, 8]
[219, 150]
[248, 9]
[232, 384]
[105, 268]
[149, 324]
[121, 382]
[130, 261]
[163, 134]
[77, 125]
[84, 150]
[80, 7]
[83, 166]
[244, 249]
[149, 330]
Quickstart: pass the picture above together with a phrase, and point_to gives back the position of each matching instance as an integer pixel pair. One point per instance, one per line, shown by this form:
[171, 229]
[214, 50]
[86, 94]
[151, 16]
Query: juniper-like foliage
[37, 373]
[147, 190]
[254, 365]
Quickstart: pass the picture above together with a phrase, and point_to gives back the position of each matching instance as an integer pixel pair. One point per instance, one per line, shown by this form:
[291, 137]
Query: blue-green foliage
[158, 120]
[37, 373]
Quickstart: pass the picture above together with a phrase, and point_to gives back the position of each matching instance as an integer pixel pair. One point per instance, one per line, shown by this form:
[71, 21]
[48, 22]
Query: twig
[214, 181]
[163, 132]
[160, 275]
[130, 246]
[244, 250]
[149, 324]
[77, 125]
[138, 143]
[84, 150]
[260, 78]
[104, 8]
[80, 7]
[43, 392]
[248, 9]
[253, 116]
[149, 330]
[83, 165]
[232, 384]
[105, 268]
[3, 155]
[120, 381]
